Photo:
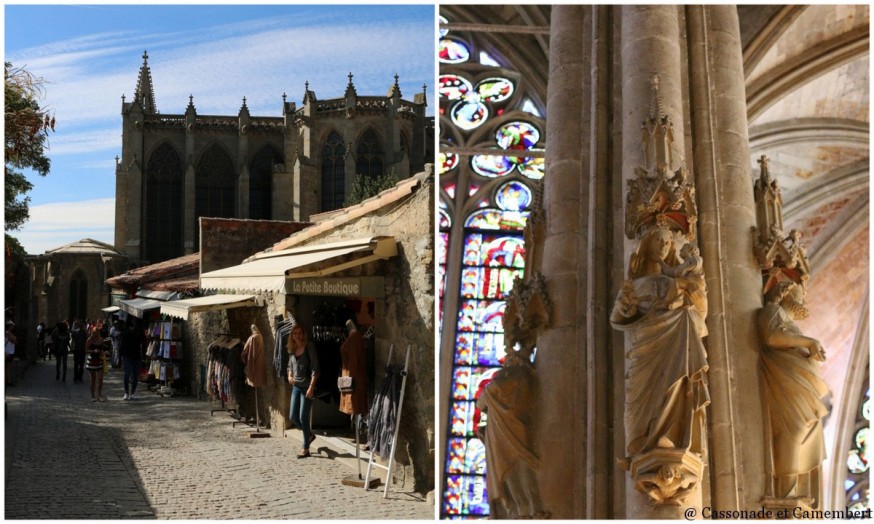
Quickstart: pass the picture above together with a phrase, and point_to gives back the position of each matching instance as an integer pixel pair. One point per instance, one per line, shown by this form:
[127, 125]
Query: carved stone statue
[507, 401]
[512, 466]
[662, 307]
[793, 394]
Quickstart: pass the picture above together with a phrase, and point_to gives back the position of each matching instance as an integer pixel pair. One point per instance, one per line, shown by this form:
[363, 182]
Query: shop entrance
[325, 320]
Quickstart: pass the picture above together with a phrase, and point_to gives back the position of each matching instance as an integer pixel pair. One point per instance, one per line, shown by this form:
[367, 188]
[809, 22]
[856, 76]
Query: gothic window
[858, 482]
[215, 182]
[490, 160]
[162, 200]
[333, 172]
[368, 155]
[78, 296]
[405, 145]
[261, 183]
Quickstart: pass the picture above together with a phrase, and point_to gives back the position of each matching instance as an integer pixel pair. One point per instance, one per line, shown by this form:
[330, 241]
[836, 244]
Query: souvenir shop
[163, 358]
[323, 306]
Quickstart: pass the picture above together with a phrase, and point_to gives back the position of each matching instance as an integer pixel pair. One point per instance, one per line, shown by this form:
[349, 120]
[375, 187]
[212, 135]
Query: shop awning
[270, 271]
[138, 306]
[183, 308]
[157, 295]
[111, 309]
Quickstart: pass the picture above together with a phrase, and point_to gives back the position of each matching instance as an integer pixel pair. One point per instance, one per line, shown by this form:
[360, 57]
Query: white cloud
[56, 224]
[77, 141]
[87, 75]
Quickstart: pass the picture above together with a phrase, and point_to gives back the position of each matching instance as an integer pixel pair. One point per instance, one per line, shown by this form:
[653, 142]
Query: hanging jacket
[253, 357]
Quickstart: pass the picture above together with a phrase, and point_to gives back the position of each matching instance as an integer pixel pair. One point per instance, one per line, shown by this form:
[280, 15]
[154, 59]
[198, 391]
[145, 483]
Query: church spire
[144, 93]
[350, 87]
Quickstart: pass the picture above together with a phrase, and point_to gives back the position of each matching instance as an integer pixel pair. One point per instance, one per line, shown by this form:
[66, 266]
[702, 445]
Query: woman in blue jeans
[303, 372]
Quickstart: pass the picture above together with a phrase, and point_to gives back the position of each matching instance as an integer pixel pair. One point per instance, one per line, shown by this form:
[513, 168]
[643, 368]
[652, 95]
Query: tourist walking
[78, 337]
[115, 335]
[60, 347]
[302, 375]
[94, 364]
[131, 349]
[41, 340]
[10, 352]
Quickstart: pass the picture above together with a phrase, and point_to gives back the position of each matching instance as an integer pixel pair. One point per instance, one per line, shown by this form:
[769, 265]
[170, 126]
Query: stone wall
[226, 242]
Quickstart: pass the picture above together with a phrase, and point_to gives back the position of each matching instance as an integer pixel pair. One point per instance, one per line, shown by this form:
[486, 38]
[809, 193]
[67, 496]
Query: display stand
[221, 352]
[164, 353]
[257, 433]
[397, 428]
[358, 481]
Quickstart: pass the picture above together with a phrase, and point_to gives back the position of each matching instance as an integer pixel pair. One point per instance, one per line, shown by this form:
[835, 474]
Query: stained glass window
[163, 195]
[450, 51]
[369, 156]
[261, 183]
[488, 198]
[495, 89]
[469, 113]
[858, 482]
[333, 172]
[453, 87]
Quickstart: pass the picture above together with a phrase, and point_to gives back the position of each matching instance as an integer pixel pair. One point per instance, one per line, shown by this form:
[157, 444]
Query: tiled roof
[86, 246]
[176, 269]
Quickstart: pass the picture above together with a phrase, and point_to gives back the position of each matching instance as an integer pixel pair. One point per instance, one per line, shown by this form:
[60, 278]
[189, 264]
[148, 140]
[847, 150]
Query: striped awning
[183, 308]
[270, 271]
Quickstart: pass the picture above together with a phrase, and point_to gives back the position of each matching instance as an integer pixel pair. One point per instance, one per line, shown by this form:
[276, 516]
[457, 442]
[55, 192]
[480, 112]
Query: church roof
[86, 246]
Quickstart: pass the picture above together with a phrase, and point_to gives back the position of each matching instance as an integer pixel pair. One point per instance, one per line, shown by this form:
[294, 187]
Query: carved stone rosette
[662, 307]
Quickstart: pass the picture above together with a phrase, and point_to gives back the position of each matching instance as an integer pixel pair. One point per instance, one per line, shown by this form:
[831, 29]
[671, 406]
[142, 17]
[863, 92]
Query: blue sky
[90, 56]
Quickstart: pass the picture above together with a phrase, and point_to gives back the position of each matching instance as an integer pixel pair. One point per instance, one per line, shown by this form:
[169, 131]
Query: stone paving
[168, 458]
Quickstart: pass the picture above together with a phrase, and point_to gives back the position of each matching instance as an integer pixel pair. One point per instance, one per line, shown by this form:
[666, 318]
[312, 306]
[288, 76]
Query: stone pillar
[726, 215]
[133, 162]
[561, 420]
[650, 45]
[604, 355]
[189, 189]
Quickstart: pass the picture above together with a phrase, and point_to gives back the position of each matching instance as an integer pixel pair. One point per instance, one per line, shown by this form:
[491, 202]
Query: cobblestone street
[168, 458]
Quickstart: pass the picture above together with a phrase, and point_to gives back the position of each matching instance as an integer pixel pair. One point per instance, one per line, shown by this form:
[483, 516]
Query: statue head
[689, 250]
[657, 245]
[790, 296]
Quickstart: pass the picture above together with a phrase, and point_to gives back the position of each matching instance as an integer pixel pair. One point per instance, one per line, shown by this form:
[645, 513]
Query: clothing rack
[218, 351]
[394, 440]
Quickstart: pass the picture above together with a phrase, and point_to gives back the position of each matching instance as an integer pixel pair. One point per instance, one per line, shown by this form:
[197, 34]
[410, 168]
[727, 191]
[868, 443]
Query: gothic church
[175, 169]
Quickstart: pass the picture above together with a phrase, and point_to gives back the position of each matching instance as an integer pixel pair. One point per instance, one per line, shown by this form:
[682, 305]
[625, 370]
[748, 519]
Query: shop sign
[338, 287]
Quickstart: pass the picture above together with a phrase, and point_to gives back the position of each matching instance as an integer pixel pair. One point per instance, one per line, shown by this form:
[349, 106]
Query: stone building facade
[175, 169]
[69, 282]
